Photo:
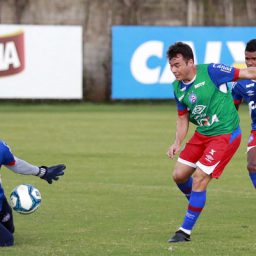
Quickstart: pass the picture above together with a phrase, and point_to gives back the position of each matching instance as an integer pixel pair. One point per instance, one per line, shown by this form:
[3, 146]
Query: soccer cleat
[179, 236]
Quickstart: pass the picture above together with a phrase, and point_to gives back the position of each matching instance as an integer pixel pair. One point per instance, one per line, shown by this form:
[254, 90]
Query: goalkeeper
[22, 167]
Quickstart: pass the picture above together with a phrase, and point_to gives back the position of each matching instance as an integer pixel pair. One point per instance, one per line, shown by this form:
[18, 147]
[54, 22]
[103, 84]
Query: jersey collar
[184, 86]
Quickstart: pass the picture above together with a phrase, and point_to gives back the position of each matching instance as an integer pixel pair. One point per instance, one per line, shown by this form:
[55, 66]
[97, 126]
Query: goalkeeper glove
[51, 173]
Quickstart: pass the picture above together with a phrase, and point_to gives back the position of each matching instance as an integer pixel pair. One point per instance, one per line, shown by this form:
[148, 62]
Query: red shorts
[251, 141]
[210, 153]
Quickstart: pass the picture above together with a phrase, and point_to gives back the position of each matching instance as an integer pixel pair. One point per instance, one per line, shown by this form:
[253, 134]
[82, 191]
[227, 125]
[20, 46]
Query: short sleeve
[181, 108]
[6, 156]
[220, 73]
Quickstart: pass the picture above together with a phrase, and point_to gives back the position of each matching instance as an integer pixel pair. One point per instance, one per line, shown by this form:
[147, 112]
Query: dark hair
[180, 48]
[251, 46]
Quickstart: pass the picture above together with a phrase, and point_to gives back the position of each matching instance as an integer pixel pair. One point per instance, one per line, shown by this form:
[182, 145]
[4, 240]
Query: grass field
[117, 197]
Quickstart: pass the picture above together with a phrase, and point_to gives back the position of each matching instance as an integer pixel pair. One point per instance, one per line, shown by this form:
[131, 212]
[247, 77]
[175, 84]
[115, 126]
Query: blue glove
[51, 173]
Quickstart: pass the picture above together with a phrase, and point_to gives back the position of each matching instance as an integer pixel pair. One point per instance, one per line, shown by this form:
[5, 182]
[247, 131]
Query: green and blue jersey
[208, 100]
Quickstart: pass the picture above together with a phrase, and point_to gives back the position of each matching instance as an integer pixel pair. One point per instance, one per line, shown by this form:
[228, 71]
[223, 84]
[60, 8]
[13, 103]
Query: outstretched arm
[247, 73]
[22, 167]
[47, 173]
[182, 126]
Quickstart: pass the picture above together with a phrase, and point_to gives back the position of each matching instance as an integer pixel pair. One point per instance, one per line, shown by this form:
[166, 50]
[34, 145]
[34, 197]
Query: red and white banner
[41, 62]
[12, 59]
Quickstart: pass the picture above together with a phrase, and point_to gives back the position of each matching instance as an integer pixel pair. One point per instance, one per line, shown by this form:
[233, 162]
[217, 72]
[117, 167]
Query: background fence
[97, 18]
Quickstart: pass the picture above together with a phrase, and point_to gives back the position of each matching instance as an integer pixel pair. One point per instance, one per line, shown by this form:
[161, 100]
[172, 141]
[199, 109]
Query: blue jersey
[245, 90]
[6, 158]
[220, 75]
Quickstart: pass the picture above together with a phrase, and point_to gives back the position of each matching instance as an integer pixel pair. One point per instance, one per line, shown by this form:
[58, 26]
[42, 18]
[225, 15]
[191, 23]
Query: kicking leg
[195, 207]
[182, 177]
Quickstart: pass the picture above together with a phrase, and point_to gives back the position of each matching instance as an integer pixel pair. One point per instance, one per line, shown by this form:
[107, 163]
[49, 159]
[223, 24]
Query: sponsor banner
[12, 54]
[41, 62]
[140, 69]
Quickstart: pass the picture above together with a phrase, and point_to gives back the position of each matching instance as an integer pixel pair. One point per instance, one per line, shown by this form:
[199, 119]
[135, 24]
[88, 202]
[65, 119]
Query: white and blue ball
[25, 198]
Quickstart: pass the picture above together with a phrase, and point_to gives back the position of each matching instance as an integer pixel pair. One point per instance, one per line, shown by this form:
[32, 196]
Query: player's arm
[247, 73]
[182, 126]
[47, 173]
[221, 74]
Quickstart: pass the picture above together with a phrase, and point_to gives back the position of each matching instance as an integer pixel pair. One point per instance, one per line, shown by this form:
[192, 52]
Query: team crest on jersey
[192, 98]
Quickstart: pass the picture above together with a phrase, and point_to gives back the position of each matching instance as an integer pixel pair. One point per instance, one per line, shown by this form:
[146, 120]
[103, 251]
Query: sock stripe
[194, 209]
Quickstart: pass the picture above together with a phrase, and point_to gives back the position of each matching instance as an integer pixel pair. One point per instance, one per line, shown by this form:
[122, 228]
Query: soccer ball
[25, 199]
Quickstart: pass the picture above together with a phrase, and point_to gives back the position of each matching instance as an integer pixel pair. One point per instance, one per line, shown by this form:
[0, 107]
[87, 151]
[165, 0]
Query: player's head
[181, 60]
[250, 53]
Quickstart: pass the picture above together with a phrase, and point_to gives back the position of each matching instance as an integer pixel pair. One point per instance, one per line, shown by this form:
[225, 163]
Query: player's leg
[217, 154]
[186, 165]
[251, 157]
[182, 177]
[6, 216]
[196, 204]
[251, 165]
[197, 200]
[6, 237]
[6, 222]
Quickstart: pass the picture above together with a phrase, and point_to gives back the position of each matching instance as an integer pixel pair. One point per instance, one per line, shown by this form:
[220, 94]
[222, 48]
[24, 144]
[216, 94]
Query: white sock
[187, 231]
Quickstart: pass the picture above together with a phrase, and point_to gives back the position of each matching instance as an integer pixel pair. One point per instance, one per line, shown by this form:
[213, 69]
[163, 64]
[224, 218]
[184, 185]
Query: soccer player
[22, 167]
[203, 98]
[246, 90]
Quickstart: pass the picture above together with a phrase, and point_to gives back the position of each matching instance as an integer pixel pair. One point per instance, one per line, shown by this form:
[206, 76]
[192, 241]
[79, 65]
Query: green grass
[117, 197]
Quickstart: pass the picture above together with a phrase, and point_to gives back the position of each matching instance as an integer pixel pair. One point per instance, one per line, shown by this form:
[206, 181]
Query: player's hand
[51, 173]
[172, 150]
